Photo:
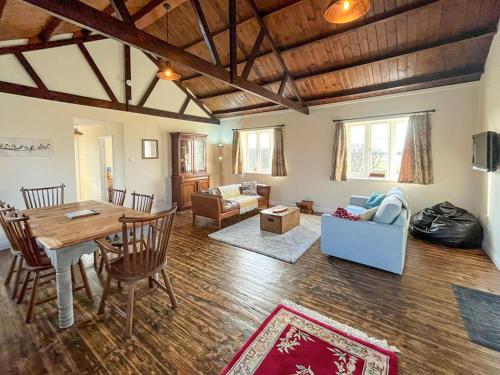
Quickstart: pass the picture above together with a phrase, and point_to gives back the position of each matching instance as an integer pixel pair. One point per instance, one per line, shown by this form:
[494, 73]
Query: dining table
[65, 240]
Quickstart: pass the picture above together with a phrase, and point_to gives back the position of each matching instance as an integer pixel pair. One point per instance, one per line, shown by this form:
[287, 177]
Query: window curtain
[278, 163]
[416, 162]
[237, 153]
[339, 160]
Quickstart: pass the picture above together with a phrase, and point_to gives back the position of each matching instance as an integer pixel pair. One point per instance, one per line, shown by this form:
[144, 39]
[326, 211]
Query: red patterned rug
[291, 342]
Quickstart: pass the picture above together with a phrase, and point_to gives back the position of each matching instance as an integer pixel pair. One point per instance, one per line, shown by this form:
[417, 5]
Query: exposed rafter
[90, 18]
[275, 50]
[97, 72]
[47, 30]
[205, 31]
[253, 54]
[469, 74]
[127, 78]
[343, 30]
[148, 91]
[452, 41]
[33, 92]
[233, 42]
[185, 104]
[183, 88]
[2, 6]
[121, 11]
[52, 44]
[31, 72]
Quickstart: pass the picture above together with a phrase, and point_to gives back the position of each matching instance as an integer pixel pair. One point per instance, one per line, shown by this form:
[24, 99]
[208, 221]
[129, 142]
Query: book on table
[80, 214]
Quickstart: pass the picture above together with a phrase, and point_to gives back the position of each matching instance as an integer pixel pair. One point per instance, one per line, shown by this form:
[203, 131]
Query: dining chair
[140, 202]
[16, 265]
[142, 256]
[116, 196]
[43, 196]
[35, 261]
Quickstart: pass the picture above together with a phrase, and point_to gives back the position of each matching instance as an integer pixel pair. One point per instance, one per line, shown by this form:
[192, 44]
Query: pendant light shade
[344, 11]
[167, 73]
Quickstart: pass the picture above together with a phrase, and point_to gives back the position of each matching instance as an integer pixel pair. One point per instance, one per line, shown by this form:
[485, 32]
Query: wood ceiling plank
[90, 18]
[205, 31]
[389, 62]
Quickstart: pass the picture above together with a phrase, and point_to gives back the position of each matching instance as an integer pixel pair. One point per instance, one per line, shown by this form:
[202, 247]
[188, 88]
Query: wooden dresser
[189, 167]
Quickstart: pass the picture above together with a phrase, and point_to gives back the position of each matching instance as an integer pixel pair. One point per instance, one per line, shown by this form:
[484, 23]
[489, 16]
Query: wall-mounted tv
[485, 155]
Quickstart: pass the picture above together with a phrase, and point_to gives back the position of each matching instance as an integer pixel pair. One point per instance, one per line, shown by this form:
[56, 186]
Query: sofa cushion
[389, 210]
[249, 188]
[229, 191]
[355, 210]
[374, 200]
[400, 194]
[228, 205]
[368, 215]
[213, 191]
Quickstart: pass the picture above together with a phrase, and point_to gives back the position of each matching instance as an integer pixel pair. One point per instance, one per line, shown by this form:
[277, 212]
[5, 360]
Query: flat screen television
[485, 151]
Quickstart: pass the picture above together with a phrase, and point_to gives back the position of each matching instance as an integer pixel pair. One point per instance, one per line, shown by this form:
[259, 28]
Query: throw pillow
[374, 200]
[344, 214]
[213, 191]
[249, 188]
[388, 211]
[368, 214]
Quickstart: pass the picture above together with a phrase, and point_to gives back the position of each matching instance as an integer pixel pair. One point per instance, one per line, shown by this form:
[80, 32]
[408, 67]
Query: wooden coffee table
[279, 222]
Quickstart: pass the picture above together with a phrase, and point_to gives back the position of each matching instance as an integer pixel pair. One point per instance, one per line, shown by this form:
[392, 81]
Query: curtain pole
[390, 114]
[262, 127]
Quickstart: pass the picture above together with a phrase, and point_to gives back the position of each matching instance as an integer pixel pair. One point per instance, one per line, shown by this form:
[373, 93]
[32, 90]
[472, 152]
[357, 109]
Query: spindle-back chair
[116, 196]
[35, 260]
[143, 255]
[16, 265]
[43, 196]
[142, 202]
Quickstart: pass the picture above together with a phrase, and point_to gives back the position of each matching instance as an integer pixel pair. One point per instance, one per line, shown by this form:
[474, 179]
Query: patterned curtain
[279, 166]
[339, 160]
[237, 153]
[416, 162]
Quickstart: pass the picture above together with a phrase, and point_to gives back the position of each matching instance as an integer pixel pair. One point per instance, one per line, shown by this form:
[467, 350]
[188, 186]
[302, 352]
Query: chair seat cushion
[389, 210]
[355, 210]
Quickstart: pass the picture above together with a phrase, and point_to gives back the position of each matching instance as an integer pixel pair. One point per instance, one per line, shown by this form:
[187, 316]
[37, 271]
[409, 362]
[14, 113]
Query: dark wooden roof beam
[120, 9]
[87, 17]
[184, 105]
[338, 32]
[456, 40]
[275, 50]
[31, 72]
[2, 7]
[148, 91]
[233, 42]
[253, 54]
[34, 92]
[97, 72]
[127, 77]
[469, 74]
[205, 31]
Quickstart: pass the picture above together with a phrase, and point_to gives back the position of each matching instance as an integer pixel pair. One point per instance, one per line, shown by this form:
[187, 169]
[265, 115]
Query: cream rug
[287, 247]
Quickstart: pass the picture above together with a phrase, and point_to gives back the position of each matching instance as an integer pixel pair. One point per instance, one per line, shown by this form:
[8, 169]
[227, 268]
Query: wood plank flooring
[225, 293]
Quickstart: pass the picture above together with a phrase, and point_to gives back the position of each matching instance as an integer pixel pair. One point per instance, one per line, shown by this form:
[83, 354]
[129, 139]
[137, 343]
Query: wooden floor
[225, 293]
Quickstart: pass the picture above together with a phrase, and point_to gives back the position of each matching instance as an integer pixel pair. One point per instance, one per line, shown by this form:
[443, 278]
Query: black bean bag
[447, 225]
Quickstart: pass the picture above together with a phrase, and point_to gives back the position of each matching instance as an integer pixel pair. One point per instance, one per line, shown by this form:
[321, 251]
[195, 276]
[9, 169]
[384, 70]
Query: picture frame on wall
[150, 149]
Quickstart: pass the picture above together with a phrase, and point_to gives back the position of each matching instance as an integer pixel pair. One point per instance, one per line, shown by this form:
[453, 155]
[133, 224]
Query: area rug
[480, 312]
[295, 341]
[287, 247]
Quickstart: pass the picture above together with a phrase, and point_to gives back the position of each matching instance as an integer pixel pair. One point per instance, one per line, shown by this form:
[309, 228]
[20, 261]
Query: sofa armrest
[264, 190]
[358, 200]
[207, 205]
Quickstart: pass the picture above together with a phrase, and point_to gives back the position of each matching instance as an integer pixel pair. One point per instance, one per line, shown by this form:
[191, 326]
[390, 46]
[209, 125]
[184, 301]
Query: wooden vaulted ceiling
[287, 47]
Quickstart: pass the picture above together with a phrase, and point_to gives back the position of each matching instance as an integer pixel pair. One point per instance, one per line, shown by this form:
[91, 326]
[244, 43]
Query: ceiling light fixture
[167, 73]
[344, 11]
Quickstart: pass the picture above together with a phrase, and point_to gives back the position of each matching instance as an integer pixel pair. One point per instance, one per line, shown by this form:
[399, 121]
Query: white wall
[490, 114]
[36, 118]
[64, 69]
[308, 148]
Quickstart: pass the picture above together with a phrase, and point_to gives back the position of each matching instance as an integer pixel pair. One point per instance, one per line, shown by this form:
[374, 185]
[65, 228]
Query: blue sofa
[380, 243]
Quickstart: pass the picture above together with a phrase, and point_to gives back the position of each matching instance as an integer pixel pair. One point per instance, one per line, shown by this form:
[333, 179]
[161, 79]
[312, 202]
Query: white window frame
[391, 175]
[245, 135]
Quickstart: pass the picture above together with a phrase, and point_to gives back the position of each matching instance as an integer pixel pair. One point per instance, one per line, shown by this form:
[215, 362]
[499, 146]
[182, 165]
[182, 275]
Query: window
[375, 148]
[257, 147]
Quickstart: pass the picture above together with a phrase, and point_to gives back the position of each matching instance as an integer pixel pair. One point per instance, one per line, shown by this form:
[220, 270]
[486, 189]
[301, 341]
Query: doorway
[98, 158]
